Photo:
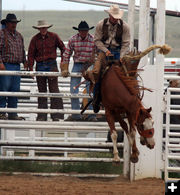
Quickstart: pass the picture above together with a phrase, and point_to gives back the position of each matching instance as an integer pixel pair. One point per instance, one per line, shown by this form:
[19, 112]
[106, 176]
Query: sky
[63, 5]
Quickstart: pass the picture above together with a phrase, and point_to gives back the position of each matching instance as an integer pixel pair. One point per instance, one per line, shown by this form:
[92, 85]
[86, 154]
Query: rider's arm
[125, 40]
[98, 37]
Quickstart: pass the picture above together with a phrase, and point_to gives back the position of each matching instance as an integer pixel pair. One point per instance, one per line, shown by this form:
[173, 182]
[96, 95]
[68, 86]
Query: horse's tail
[164, 49]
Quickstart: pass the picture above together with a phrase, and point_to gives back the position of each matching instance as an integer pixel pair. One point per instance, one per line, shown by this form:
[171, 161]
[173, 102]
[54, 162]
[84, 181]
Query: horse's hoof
[149, 146]
[134, 159]
[116, 160]
[116, 163]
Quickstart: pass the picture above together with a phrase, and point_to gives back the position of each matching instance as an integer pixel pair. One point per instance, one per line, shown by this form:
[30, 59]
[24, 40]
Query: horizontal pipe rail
[172, 77]
[80, 175]
[173, 169]
[37, 73]
[57, 128]
[173, 145]
[174, 112]
[174, 157]
[35, 110]
[54, 149]
[59, 144]
[78, 139]
[174, 134]
[61, 123]
[50, 95]
[57, 159]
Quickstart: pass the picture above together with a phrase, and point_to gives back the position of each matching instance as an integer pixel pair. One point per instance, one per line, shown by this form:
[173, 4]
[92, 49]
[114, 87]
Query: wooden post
[128, 169]
[144, 28]
[160, 39]
[150, 161]
[131, 10]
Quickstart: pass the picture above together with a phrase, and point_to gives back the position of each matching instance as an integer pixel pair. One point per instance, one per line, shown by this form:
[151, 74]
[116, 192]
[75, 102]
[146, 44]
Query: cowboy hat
[42, 24]
[115, 12]
[83, 25]
[10, 18]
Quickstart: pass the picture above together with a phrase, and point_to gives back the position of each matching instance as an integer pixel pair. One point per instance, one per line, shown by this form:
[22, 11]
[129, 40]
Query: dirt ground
[34, 185]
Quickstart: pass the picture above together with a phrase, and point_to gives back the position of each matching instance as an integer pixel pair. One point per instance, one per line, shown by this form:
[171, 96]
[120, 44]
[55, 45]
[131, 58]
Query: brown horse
[120, 94]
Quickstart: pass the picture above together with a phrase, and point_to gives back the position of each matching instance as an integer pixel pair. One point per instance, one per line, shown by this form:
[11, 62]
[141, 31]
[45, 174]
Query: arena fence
[172, 143]
[49, 137]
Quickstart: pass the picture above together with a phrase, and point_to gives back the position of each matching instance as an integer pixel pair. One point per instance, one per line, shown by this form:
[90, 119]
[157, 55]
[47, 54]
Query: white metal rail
[35, 144]
[169, 155]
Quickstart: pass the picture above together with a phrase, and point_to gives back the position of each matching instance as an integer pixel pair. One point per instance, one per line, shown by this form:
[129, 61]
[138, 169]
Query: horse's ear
[149, 109]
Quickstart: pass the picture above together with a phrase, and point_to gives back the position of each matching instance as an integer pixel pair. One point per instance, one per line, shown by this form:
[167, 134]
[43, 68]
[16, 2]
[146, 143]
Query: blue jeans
[75, 104]
[10, 84]
[115, 52]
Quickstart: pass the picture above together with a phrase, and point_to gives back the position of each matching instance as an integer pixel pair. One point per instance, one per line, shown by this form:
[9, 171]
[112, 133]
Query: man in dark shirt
[42, 49]
[11, 55]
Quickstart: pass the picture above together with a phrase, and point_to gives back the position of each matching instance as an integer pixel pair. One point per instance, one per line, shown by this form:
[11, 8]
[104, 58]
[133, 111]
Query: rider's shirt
[111, 42]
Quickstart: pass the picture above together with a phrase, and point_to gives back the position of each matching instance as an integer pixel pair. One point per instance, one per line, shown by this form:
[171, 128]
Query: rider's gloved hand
[108, 53]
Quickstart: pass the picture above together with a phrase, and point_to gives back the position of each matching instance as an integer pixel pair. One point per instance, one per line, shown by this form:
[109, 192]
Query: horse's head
[145, 127]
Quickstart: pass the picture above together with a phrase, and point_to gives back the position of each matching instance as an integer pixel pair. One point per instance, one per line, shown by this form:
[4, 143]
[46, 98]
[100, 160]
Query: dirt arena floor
[34, 185]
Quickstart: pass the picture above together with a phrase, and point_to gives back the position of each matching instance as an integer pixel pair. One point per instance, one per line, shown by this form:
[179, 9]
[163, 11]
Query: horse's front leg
[111, 122]
[132, 137]
[135, 153]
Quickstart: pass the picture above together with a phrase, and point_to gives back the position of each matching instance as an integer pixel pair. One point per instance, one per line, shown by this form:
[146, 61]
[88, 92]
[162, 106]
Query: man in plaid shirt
[42, 49]
[11, 55]
[83, 46]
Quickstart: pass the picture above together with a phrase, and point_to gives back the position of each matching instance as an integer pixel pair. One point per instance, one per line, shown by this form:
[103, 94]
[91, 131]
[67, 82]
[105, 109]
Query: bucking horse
[120, 91]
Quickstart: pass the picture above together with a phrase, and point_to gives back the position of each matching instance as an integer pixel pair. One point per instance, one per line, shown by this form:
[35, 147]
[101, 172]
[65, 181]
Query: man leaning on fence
[42, 49]
[12, 53]
[83, 46]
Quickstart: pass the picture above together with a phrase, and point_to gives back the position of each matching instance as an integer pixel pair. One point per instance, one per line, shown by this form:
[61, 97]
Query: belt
[80, 62]
[118, 47]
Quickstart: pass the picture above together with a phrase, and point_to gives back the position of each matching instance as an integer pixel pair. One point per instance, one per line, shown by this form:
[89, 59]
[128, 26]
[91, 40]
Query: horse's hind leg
[111, 122]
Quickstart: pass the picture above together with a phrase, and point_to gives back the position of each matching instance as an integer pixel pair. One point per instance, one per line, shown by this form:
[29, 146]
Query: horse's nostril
[150, 146]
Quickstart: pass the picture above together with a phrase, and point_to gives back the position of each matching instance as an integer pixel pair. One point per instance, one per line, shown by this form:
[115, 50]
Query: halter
[148, 133]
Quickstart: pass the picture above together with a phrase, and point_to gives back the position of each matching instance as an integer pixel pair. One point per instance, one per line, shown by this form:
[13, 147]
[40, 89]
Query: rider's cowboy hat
[10, 18]
[42, 24]
[83, 25]
[115, 12]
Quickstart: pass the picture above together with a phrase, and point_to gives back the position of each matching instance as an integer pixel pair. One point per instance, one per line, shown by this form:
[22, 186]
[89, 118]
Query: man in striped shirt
[12, 53]
[82, 45]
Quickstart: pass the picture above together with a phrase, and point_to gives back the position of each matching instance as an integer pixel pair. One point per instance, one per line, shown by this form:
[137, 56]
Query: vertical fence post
[144, 28]
[32, 132]
[131, 15]
[65, 140]
[167, 136]
[160, 40]
[128, 168]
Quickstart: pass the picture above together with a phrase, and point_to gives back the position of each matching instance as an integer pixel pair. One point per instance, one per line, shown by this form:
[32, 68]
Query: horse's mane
[130, 82]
